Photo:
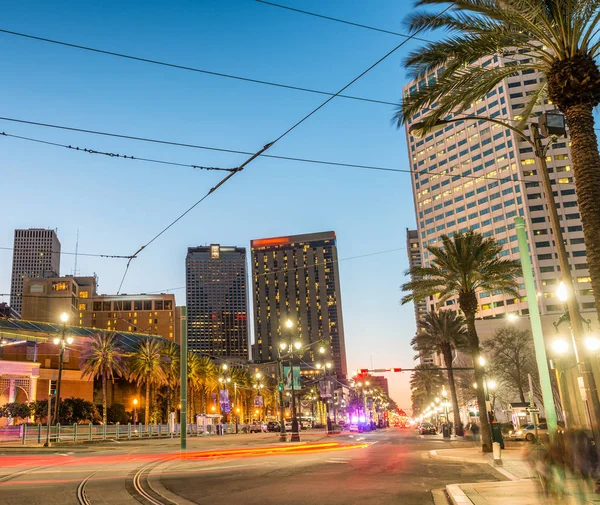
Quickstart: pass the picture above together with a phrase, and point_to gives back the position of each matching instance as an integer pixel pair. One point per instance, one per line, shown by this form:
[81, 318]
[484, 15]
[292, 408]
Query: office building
[36, 253]
[382, 383]
[297, 277]
[47, 298]
[479, 175]
[217, 301]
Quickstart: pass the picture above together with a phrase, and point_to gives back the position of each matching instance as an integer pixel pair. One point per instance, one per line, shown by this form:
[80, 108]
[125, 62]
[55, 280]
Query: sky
[117, 205]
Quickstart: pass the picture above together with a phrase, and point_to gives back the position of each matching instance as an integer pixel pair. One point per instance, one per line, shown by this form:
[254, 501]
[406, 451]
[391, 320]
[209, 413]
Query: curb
[457, 495]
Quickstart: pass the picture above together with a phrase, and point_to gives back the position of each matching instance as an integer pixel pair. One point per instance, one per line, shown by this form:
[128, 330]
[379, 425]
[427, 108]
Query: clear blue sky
[118, 205]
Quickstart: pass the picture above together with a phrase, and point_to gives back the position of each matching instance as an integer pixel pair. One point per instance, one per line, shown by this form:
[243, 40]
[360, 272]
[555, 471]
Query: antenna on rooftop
[76, 251]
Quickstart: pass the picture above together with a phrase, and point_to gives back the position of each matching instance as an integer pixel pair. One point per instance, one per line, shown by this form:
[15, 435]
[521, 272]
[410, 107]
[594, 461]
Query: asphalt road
[384, 467]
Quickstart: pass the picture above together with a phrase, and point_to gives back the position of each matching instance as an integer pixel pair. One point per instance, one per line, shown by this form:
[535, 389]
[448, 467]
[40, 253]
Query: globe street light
[62, 341]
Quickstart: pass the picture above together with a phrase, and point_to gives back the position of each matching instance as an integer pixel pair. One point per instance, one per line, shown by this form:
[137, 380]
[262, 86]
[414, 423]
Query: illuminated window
[60, 286]
[584, 279]
[528, 161]
[84, 294]
[83, 306]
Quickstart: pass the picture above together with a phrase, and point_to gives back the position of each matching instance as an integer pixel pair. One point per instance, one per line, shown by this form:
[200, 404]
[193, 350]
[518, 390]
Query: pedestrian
[475, 430]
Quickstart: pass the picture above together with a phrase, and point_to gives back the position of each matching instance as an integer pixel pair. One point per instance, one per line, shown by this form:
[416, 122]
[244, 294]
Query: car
[273, 426]
[427, 429]
[257, 427]
[528, 432]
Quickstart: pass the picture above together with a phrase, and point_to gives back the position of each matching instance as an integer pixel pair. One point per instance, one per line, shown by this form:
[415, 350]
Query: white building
[479, 175]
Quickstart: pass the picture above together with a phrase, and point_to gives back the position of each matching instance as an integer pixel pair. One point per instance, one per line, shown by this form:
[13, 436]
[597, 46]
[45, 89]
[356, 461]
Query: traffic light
[395, 369]
[363, 370]
[52, 388]
[280, 387]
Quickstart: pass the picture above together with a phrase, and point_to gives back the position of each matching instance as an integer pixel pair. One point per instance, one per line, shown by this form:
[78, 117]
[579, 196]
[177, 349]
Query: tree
[102, 357]
[465, 264]
[511, 358]
[146, 367]
[561, 40]
[75, 410]
[443, 333]
[425, 381]
[171, 362]
[16, 410]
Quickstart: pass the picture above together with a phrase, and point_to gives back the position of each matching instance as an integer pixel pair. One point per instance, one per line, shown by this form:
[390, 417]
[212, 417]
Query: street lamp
[62, 341]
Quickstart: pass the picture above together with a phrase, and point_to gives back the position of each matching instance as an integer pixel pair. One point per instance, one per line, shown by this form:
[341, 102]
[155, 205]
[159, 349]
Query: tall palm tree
[146, 367]
[171, 361]
[442, 333]
[424, 382]
[465, 264]
[561, 39]
[102, 357]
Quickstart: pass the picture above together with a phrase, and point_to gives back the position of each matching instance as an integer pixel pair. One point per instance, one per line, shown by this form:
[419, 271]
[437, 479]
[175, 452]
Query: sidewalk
[522, 488]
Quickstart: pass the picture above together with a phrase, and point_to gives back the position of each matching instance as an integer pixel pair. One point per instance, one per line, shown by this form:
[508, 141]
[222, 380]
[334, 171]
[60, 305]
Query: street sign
[533, 410]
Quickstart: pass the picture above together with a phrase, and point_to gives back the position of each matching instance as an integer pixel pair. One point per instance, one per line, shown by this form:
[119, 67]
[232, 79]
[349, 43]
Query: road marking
[337, 461]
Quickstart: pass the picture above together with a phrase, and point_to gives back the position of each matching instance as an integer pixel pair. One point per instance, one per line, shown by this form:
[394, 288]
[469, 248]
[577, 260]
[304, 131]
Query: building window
[60, 286]
[84, 294]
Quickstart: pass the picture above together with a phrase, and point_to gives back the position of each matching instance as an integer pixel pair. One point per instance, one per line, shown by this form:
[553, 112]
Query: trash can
[446, 430]
[497, 434]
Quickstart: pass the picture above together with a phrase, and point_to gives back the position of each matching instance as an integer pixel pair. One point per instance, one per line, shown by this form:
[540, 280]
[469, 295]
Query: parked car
[427, 429]
[528, 432]
[273, 426]
[257, 428]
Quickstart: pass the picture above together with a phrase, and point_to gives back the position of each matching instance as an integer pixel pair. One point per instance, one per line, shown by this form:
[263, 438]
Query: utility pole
[183, 378]
[536, 328]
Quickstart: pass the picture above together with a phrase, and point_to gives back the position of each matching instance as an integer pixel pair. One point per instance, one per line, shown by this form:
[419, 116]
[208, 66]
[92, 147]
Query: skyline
[121, 203]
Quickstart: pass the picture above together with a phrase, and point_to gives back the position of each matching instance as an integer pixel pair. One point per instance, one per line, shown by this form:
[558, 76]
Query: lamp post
[62, 342]
[135, 417]
[282, 432]
[258, 386]
[325, 367]
[224, 380]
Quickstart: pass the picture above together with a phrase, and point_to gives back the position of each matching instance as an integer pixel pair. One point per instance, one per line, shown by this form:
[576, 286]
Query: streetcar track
[14, 475]
[81, 494]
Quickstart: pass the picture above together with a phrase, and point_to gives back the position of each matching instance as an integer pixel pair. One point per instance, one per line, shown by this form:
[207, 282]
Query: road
[383, 467]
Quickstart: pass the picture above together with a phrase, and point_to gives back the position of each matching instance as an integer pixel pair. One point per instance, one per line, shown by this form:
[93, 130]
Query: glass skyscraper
[216, 293]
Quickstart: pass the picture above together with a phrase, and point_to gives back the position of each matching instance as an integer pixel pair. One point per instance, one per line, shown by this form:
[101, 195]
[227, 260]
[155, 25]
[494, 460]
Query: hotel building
[479, 175]
[297, 277]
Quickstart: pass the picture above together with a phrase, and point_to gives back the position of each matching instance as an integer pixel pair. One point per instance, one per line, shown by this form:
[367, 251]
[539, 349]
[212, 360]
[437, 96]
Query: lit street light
[135, 417]
[62, 341]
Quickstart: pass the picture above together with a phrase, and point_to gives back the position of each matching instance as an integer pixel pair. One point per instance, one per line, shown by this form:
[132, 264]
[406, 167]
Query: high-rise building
[297, 277]
[36, 253]
[217, 301]
[479, 175]
[413, 249]
[382, 383]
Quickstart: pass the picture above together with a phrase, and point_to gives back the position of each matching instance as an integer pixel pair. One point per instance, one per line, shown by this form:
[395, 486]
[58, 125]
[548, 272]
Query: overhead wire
[343, 21]
[218, 149]
[113, 155]
[49, 251]
[193, 69]
[268, 146]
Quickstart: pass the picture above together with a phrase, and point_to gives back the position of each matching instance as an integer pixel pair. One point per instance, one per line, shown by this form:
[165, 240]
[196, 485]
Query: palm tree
[171, 361]
[561, 40]
[443, 333]
[465, 264]
[146, 367]
[424, 382]
[102, 357]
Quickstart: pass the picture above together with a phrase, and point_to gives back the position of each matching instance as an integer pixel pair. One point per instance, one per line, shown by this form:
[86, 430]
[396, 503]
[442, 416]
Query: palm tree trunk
[586, 167]
[458, 425]
[147, 410]
[104, 402]
[468, 305]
